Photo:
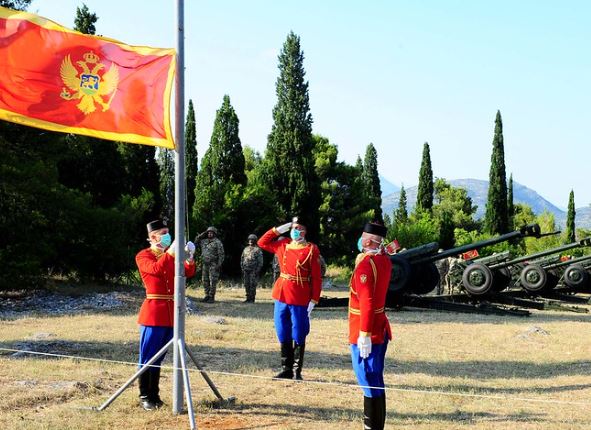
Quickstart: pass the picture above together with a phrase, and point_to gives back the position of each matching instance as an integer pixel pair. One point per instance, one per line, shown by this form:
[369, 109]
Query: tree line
[77, 206]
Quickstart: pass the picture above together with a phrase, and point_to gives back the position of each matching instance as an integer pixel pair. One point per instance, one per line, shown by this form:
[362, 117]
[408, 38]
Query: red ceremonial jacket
[300, 280]
[157, 272]
[367, 297]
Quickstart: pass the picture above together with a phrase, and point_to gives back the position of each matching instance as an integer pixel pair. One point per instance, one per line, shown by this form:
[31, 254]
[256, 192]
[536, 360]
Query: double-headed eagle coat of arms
[88, 86]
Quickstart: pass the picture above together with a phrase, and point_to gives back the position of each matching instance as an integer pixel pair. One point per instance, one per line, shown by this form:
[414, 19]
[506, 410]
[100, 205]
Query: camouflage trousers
[249, 279]
[210, 275]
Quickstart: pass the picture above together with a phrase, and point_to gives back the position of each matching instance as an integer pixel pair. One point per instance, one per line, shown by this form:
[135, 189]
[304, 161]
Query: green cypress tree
[401, 213]
[510, 204]
[289, 161]
[191, 161]
[425, 188]
[166, 186]
[371, 180]
[496, 219]
[570, 218]
[221, 182]
[222, 167]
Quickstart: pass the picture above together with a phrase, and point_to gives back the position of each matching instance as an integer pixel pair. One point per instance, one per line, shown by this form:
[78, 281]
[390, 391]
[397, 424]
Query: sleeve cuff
[364, 334]
[275, 231]
[314, 301]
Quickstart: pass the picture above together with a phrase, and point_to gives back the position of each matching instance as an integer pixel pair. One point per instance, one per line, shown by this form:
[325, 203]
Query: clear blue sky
[393, 73]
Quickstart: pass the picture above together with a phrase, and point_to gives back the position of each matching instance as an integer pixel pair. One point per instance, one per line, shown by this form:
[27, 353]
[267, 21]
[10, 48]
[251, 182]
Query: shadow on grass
[224, 359]
[473, 389]
[329, 414]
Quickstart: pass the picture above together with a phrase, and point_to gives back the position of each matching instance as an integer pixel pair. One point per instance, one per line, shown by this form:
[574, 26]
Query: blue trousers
[370, 371]
[152, 339]
[291, 322]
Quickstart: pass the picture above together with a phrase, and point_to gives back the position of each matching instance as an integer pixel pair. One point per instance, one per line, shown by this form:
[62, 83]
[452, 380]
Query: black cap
[374, 228]
[300, 220]
[156, 225]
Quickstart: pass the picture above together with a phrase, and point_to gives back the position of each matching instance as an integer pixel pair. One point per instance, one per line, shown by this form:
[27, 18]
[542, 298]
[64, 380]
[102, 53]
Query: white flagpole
[179, 214]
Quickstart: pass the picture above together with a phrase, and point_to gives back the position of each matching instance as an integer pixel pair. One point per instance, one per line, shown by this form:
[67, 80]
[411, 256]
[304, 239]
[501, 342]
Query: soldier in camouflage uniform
[212, 257]
[251, 264]
[453, 279]
[276, 269]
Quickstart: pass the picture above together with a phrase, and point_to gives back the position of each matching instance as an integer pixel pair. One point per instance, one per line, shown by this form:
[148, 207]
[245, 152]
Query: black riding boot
[145, 400]
[286, 361]
[374, 413]
[298, 360]
[155, 387]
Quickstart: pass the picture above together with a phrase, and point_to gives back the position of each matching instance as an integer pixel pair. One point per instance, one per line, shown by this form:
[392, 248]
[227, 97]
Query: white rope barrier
[321, 383]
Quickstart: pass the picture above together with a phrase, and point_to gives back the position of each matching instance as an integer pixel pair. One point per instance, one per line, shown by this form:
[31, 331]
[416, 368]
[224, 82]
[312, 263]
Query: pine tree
[496, 219]
[191, 161]
[289, 162]
[371, 181]
[425, 188]
[84, 21]
[401, 213]
[510, 204]
[570, 218]
[15, 4]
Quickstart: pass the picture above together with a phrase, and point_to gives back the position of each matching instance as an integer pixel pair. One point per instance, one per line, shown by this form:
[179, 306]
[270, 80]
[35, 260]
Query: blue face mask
[165, 240]
[295, 234]
[360, 245]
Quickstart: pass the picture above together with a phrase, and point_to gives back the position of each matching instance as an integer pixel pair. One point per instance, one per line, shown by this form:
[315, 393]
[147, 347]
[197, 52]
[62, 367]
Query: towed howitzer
[414, 271]
[536, 275]
[575, 274]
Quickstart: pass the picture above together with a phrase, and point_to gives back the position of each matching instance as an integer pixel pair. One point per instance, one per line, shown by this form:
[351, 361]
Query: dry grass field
[444, 370]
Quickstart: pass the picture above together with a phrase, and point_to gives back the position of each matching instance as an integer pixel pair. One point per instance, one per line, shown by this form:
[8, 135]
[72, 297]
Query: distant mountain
[387, 186]
[478, 192]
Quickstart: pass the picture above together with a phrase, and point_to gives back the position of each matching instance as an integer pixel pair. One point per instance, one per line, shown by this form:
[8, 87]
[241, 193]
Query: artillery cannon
[414, 271]
[575, 274]
[536, 275]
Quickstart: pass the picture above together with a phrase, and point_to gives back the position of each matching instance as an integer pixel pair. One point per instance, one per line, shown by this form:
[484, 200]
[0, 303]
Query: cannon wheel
[477, 279]
[425, 278]
[575, 276]
[501, 279]
[401, 273]
[533, 278]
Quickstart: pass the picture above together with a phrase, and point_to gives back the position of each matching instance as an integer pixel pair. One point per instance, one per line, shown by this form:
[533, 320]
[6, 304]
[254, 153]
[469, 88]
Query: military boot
[286, 361]
[298, 360]
[374, 413]
[155, 387]
[144, 384]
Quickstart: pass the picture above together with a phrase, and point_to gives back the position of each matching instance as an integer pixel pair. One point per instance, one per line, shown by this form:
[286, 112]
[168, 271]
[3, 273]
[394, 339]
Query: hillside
[478, 189]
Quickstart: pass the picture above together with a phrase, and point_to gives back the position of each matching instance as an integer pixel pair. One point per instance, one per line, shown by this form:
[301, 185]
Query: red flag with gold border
[59, 79]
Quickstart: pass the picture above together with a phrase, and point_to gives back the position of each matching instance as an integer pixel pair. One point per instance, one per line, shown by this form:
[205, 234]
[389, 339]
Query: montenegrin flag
[62, 80]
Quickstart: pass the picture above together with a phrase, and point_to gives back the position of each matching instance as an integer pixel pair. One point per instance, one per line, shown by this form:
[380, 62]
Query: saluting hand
[283, 228]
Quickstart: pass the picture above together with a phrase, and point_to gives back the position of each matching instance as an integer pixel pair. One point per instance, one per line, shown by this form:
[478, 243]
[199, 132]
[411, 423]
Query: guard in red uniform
[296, 291]
[156, 317]
[369, 329]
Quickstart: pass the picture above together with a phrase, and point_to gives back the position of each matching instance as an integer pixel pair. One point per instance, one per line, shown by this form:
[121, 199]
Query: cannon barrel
[583, 242]
[530, 230]
[568, 262]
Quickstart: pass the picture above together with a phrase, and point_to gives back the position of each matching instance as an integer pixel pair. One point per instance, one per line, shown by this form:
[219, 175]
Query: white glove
[310, 307]
[190, 249]
[284, 228]
[364, 345]
[171, 248]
